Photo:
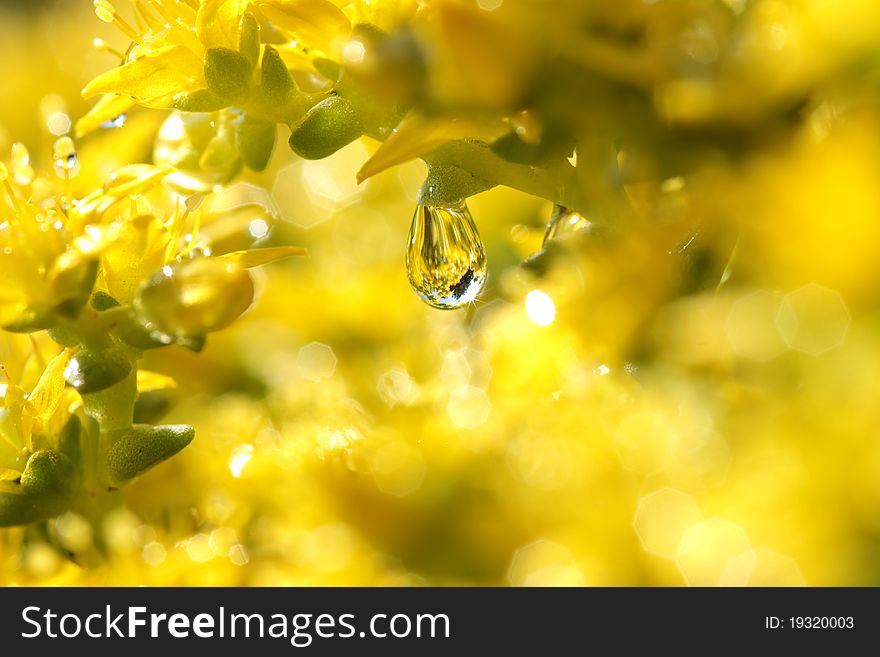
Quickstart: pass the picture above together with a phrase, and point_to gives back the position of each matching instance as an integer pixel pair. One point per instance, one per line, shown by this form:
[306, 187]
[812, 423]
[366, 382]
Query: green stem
[482, 169]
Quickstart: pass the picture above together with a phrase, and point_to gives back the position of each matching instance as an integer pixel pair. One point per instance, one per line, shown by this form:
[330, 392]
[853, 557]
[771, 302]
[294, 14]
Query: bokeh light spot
[154, 554]
[74, 532]
[239, 459]
[661, 519]
[316, 361]
[762, 567]
[198, 548]
[469, 407]
[540, 308]
[751, 329]
[706, 548]
[544, 563]
[813, 319]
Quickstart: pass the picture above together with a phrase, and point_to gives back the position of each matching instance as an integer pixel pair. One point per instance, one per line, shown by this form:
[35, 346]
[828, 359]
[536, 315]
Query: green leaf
[94, 370]
[143, 447]
[200, 100]
[417, 135]
[276, 82]
[256, 140]
[47, 473]
[328, 68]
[228, 73]
[65, 335]
[139, 336]
[151, 406]
[69, 439]
[20, 508]
[102, 301]
[327, 127]
[32, 319]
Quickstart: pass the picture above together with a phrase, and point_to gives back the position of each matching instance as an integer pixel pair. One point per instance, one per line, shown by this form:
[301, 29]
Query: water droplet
[445, 258]
[194, 297]
[64, 157]
[117, 122]
[564, 223]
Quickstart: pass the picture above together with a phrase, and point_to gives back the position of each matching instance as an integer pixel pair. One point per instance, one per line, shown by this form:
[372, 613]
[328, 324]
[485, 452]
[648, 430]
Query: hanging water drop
[445, 258]
[564, 223]
[64, 157]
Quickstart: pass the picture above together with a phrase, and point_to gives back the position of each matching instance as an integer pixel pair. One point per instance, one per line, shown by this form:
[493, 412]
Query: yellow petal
[106, 109]
[256, 257]
[148, 381]
[218, 23]
[138, 251]
[317, 23]
[127, 181]
[45, 396]
[9, 475]
[156, 75]
[418, 134]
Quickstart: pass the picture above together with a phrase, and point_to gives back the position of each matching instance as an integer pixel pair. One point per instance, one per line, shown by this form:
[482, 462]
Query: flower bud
[143, 446]
[94, 370]
[327, 127]
[47, 472]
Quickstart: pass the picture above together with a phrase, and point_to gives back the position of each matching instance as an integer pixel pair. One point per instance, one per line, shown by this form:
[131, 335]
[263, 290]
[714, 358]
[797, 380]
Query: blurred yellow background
[594, 419]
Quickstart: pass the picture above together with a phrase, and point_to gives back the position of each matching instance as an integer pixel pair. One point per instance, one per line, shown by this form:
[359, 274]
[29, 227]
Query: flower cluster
[109, 275]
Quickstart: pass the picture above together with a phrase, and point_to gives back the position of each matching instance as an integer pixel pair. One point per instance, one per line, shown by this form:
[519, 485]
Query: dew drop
[194, 297]
[116, 122]
[64, 157]
[445, 258]
[564, 223]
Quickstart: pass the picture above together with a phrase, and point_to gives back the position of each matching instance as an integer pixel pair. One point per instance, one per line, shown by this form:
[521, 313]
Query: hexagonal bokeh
[706, 548]
[316, 361]
[750, 326]
[762, 567]
[308, 192]
[813, 319]
[468, 407]
[662, 518]
[544, 563]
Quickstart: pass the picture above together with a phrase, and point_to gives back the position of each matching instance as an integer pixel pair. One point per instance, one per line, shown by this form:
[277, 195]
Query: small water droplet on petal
[64, 157]
[116, 122]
